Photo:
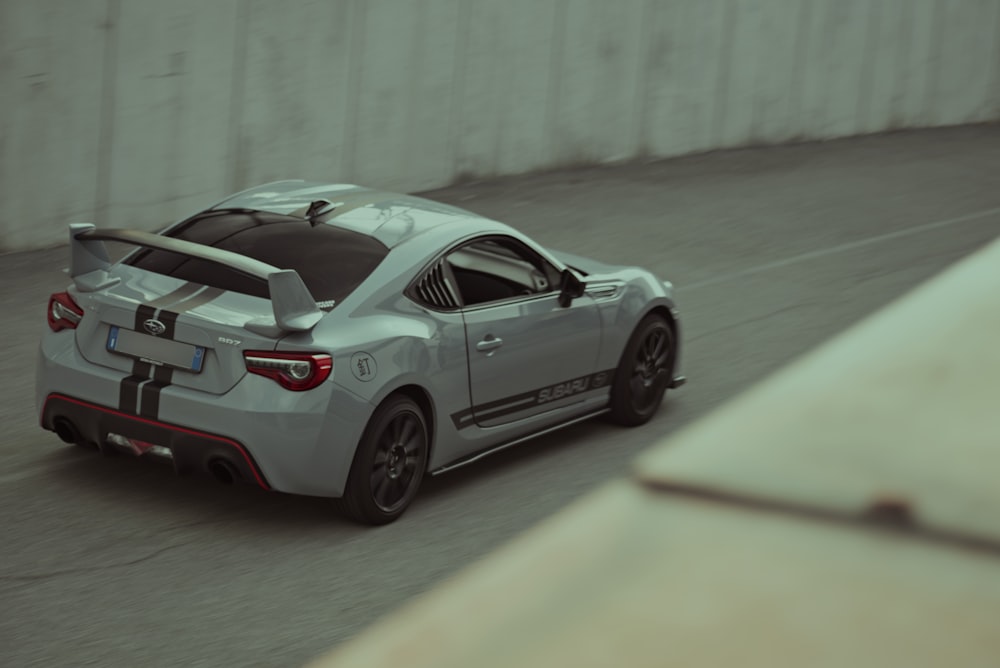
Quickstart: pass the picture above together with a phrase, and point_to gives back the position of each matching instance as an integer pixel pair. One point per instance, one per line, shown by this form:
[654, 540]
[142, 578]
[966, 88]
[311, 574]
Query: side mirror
[570, 287]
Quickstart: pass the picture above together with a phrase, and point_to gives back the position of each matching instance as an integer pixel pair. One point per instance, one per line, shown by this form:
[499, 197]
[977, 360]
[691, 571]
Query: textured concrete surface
[133, 113]
[116, 562]
[633, 578]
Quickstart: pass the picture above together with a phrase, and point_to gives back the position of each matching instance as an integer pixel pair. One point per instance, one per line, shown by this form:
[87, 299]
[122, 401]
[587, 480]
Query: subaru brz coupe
[338, 341]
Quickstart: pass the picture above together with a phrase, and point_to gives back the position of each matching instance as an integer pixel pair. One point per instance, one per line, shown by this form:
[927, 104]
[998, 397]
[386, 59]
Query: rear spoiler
[295, 310]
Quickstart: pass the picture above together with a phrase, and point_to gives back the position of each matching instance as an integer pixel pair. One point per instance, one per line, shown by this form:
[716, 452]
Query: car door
[527, 353]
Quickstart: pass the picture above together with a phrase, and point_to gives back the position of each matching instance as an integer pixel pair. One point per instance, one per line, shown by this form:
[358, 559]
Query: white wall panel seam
[864, 110]
[798, 69]
[557, 58]
[355, 78]
[935, 63]
[237, 93]
[458, 88]
[992, 109]
[106, 132]
[724, 78]
[639, 132]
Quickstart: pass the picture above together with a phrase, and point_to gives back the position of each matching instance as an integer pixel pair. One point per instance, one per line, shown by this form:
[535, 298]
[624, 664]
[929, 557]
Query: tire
[644, 372]
[389, 463]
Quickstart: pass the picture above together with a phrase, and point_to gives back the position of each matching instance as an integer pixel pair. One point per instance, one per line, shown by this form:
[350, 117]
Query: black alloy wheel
[643, 373]
[389, 463]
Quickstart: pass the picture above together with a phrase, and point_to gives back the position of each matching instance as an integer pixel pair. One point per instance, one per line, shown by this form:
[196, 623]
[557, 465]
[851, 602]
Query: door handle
[489, 343]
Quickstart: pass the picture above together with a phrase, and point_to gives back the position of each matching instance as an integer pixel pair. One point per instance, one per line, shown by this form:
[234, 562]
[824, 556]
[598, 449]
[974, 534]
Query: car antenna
[318, 208]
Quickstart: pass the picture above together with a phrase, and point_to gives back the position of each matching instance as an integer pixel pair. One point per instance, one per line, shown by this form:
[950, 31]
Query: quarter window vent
[435, 288]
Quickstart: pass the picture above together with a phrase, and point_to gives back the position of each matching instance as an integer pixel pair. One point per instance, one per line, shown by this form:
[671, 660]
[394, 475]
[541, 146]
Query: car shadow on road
[578, 440]
[146, 485]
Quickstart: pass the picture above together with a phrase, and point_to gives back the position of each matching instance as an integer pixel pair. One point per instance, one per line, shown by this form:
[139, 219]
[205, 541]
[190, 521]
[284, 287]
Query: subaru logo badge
[154, 327]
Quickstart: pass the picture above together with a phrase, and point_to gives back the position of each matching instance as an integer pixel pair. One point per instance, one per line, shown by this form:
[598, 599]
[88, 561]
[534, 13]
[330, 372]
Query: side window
[497, 269]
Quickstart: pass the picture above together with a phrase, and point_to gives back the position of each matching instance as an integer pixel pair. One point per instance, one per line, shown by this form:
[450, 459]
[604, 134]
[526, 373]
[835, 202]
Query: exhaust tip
[66, 430]
[223, 471]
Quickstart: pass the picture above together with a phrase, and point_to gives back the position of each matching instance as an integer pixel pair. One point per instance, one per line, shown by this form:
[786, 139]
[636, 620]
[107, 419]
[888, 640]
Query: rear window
[332, 261]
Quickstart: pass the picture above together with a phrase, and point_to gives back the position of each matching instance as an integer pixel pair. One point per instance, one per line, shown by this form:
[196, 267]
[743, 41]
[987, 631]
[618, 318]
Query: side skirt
[503, 446]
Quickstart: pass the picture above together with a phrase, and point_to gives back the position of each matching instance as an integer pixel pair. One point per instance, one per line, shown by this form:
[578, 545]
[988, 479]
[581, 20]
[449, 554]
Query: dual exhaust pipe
[220, 468]
[68, 433]
[223, 470]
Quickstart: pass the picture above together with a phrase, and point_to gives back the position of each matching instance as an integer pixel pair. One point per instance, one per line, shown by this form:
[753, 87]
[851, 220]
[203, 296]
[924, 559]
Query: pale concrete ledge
[843, 513]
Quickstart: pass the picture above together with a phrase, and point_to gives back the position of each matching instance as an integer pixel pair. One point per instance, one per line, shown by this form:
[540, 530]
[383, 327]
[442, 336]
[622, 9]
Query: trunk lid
[187, 334]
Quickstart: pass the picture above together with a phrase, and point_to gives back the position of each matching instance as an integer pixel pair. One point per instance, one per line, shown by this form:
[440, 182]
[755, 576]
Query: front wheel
[389, 463]
[643, 372]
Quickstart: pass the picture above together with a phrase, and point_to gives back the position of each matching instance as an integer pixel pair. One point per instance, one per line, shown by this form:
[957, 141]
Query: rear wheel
[643, 372]
[389, 463]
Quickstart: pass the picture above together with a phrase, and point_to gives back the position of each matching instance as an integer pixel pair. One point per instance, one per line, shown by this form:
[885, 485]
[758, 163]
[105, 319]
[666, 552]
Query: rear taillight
[63, 312]
[293, 371]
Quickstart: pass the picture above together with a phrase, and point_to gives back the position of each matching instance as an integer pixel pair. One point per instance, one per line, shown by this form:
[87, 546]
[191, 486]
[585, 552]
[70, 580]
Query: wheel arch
[664, 311]
[667, 312]
[422, 398]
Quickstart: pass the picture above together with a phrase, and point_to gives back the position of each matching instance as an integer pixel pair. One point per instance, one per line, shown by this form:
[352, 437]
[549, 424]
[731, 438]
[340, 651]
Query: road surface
[117, 562]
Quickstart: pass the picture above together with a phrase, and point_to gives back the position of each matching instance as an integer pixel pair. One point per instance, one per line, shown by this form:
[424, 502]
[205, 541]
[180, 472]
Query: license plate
[155, 350]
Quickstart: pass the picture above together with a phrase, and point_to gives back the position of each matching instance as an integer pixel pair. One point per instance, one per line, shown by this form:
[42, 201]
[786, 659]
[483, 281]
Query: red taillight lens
[63, 312]
[293, 371]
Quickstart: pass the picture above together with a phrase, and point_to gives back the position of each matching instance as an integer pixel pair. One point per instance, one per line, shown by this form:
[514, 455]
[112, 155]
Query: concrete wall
[137, 112]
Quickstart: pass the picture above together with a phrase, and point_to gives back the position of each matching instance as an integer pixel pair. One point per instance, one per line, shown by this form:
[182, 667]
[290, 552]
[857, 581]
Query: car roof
[387, 216]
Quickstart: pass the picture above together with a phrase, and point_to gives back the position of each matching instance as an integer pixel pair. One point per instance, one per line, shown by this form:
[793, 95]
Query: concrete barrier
[844, 512]
[136, 113]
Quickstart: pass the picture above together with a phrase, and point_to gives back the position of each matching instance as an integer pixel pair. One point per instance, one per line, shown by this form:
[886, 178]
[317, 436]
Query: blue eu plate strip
[199, 358]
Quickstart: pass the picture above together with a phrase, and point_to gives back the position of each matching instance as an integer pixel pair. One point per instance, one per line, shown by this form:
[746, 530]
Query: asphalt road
[115, 562]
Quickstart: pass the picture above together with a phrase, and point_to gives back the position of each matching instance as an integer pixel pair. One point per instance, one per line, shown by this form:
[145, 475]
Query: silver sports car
[339, 341]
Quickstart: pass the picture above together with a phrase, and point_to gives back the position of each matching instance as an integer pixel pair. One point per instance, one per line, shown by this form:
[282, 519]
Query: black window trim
[412, 293]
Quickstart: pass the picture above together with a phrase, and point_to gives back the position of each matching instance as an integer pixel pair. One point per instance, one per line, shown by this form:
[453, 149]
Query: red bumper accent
[95, 422]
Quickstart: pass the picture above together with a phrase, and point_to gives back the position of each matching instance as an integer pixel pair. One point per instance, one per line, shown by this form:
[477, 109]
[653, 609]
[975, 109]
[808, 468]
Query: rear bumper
[295, 442]
[191, 450]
